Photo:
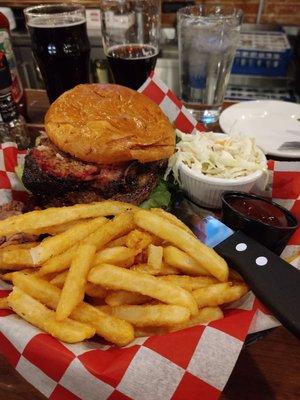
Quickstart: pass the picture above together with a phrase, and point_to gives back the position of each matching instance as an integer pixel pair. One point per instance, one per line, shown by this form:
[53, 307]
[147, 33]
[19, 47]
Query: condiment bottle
[6, 46]
[12, 124]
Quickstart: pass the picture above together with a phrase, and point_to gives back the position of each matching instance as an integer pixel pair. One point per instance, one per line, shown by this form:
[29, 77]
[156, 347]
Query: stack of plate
[274, 124]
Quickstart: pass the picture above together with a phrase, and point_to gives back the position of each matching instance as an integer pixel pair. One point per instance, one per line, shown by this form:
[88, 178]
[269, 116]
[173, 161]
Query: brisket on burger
[103, 141]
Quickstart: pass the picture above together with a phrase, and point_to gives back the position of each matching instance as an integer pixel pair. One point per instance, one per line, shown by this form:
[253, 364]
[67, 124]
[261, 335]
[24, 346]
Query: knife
[275, 282]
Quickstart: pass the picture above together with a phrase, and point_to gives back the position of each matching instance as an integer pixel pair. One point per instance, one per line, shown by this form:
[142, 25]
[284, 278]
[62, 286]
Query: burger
[102, 141]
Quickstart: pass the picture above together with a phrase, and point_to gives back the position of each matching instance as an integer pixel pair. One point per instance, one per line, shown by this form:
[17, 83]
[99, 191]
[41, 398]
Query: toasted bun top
[109, 123]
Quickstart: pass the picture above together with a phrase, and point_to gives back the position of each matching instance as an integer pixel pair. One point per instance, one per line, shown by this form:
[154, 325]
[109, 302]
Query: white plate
[270, 122]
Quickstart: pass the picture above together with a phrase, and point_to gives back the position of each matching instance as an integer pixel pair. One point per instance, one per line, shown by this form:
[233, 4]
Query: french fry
[58, 263]
[47, 277]
[141, 258]
[112, 329]
[90, 289]
[155, 256]
[182, 261]
[151, 315]
[104, 308]
[56, 229]
[120, 225]
[26, 245]
[59, 279]
[120, 255]
[142, 268]
[189, 283]
[148, 269]
[55, 245]
[95, 291]
[171, 218]
[8, 277]
[14, 258]
[166, 230]
[74, 288]
[123, 297]
[205, 315]
[40, 316]
[35, 220]
[120, 278]
[121, 241]
[137, 239]
[150, 331]
[4, 303]
[220, 293]
[116, 227]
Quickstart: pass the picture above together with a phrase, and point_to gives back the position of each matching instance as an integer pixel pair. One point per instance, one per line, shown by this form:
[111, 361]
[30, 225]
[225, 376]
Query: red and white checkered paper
[192, 364]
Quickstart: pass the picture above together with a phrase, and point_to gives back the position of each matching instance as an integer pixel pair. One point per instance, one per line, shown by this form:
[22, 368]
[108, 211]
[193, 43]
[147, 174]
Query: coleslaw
[216, 155]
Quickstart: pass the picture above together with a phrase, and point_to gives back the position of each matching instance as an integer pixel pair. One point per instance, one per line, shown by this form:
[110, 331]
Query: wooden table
[266, 370]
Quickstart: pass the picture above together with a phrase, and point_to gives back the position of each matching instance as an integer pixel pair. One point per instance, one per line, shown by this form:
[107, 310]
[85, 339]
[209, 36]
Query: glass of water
[207, 39]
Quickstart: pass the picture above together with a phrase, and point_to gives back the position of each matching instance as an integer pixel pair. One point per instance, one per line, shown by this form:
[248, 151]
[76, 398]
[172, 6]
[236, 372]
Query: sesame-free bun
[105, 123]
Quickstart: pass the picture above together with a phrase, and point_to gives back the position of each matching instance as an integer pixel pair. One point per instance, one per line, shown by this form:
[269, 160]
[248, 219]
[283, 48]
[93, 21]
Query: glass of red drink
[60, 45]
[130, 35]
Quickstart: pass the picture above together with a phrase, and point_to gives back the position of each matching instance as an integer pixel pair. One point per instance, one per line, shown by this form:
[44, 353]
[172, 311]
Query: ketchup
[259, 210]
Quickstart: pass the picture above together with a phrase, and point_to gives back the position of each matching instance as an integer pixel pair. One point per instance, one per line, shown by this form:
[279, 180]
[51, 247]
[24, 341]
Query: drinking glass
[60, 45]
[130, 36]
[207, 39]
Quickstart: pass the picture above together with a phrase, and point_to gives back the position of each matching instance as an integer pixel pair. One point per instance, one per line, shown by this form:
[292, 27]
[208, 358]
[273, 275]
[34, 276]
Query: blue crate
[262, 53]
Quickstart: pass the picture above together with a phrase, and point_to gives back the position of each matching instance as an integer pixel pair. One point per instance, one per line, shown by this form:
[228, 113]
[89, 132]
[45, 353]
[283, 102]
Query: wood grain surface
[267, 370]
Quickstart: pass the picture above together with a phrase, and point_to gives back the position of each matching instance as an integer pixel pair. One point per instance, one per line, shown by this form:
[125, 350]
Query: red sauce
[259, 210]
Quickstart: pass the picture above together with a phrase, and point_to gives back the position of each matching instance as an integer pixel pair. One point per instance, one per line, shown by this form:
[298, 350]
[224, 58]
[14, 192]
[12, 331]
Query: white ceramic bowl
[206, 190]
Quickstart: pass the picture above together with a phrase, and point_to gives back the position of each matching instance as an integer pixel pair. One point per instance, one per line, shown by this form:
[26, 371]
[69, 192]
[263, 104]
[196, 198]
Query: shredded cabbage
[218, 156]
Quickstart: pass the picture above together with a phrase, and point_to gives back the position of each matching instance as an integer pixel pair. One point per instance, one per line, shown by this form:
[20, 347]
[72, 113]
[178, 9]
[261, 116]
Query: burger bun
[106, 123]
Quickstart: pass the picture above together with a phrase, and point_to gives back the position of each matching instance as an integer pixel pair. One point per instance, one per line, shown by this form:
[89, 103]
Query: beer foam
[46, 21]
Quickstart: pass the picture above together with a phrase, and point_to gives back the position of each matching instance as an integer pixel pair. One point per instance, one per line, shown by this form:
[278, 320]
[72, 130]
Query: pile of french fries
[114, 270]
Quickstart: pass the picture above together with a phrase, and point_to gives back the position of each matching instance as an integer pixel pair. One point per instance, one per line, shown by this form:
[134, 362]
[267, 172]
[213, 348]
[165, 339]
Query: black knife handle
[275, 282]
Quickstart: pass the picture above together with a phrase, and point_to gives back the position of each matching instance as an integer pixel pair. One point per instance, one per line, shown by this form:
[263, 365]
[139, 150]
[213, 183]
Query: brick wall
[282, 12]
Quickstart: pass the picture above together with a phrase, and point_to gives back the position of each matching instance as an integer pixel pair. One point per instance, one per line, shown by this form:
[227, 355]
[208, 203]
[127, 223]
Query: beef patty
[56, 178]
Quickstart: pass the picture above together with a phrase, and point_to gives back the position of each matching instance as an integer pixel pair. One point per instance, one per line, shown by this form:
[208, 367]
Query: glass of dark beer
[130, 35]
[60, 45]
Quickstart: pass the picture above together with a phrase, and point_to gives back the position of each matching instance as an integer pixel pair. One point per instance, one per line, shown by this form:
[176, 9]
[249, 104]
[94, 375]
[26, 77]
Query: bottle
[297, 63]
[6, 46]
[100, 71]
[12, 124]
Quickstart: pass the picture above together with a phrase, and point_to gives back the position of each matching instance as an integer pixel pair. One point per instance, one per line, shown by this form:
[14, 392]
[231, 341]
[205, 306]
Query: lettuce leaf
[19, 170]
[160, 197]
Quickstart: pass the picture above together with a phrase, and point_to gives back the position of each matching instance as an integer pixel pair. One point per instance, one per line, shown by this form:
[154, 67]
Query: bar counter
[266, 370]
[26, 3]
